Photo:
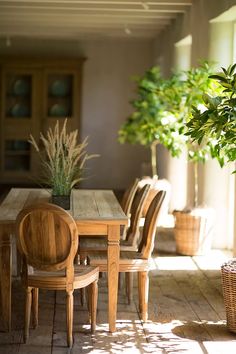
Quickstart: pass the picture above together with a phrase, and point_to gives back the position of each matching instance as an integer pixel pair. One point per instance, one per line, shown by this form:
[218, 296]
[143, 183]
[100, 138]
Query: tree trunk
[154, 158]
[195, 165]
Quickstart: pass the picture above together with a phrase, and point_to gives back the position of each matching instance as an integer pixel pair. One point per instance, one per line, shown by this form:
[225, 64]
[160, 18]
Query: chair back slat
[156, 186]
[46, 236]
[128, 197]
[136, 213]
[149, 230]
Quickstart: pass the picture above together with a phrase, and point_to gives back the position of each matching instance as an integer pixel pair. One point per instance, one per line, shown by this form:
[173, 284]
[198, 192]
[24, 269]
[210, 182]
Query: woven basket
[228, 273]
[193, 234]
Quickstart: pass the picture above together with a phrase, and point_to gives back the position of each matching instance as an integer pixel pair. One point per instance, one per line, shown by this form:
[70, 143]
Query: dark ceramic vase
[61, 200]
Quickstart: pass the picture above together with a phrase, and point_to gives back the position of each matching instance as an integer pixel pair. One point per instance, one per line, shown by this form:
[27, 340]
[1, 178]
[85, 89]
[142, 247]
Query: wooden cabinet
[34, 95]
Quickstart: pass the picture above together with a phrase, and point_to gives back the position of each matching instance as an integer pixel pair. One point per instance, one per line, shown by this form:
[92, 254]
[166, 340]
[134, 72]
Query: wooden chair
[127, 201]
[94, 244]
[89, 245]
[128, 196]
[131, 261]
[47, 239]
[156, 186]
[133, 233]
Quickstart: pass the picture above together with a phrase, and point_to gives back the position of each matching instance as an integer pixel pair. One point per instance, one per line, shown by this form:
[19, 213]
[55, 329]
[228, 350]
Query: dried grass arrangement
[62, 158]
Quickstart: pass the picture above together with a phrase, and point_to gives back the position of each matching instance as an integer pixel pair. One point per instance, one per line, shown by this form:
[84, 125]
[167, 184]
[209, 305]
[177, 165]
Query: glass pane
[60, 93]
[17, 163]
[18, 96]
[17, 145]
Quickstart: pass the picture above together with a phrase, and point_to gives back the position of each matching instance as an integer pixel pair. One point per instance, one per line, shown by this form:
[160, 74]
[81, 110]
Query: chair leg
[119, 281]
[143, 287]
[129, 286]
[69, 317]
[76, 259]
[87, 292]
[83, 257]
[82, 296]
[35, 299]
[93, 300]
[140, 293]
[28, 302]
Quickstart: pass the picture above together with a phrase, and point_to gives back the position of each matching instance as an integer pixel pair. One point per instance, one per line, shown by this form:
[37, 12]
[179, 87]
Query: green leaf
[232, 69]
[218, 77]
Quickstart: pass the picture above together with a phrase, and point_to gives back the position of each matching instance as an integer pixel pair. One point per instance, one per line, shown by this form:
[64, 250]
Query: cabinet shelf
[16, 153]
[56, 98]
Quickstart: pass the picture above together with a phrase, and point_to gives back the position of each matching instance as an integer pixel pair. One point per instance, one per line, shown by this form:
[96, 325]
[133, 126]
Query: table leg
[113, 254]
[5, 275]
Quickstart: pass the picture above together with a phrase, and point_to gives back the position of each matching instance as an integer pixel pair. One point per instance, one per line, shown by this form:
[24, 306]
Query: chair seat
[83, 276]
[130, 261]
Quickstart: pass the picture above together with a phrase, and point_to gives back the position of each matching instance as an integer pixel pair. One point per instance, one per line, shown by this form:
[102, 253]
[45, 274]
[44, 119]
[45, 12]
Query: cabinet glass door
[20, 118]
[60, 96]
[18, 96]
[17, 155]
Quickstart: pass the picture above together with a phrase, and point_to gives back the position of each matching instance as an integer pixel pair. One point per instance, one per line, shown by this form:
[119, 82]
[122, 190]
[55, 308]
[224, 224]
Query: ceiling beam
[36, 21]
[79, 16]
[58, 29]
[90, 12]
[104, 2]
[72, 34]
[103, 25]
[66, 8]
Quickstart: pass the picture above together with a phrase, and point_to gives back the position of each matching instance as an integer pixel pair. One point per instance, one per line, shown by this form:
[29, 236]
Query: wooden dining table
[96, 212]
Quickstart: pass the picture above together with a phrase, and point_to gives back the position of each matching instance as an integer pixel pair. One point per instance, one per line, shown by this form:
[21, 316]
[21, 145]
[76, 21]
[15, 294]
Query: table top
[86, 205]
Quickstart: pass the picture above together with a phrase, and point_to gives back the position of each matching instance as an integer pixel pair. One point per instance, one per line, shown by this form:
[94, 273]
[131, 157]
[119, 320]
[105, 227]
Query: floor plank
[186, 313]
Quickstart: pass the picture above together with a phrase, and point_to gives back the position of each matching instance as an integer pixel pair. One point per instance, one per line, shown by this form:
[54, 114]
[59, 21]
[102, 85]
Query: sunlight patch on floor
[214, 259]
[221, 347]
[174, 263]
[127, 339]
[160, 338]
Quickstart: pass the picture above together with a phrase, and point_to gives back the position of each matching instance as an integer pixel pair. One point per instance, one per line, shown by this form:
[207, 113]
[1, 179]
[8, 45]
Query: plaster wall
[182, 57]
[106, 92]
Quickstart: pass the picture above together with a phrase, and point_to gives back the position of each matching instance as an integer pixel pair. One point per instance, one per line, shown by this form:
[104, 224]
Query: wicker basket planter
[193, 231]
[228, 273]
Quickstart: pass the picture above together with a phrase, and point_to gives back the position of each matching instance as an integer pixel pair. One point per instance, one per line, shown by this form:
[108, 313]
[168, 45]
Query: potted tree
[153, 122]
[218, 122]
[194, 224]
[62, 159]
[161, 111]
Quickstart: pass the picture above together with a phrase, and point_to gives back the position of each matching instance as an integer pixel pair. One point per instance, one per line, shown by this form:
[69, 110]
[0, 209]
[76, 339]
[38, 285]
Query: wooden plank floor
[186, 313]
